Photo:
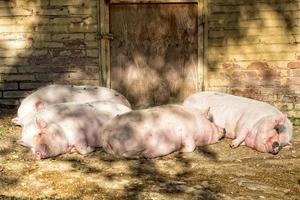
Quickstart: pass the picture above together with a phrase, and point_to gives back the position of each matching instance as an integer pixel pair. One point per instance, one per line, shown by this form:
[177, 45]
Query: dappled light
[248, 48]
[154, 52]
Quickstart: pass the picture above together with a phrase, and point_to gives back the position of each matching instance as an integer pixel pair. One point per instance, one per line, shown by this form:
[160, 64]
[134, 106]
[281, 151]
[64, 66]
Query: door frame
[105, 37]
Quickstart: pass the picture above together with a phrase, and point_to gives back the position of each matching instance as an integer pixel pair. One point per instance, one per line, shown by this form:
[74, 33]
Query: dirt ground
[212, 172]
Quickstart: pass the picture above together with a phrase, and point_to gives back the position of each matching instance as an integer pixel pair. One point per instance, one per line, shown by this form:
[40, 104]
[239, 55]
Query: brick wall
[46, 41]
[253, 48]
[254, 51]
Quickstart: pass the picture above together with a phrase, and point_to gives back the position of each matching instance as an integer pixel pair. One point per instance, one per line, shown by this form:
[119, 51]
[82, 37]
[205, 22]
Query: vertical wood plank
[200, 69]
[101, 78]
[205, 45]
[104, 44]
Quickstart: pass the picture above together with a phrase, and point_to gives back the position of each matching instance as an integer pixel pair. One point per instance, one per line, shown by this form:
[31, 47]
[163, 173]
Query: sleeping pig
[158, 131]
[65, 127]
[53, 94]
[249, 122]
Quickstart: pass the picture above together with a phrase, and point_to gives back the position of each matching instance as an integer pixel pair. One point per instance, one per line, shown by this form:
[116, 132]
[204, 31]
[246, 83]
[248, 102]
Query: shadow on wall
[154, 52]
[45, 42]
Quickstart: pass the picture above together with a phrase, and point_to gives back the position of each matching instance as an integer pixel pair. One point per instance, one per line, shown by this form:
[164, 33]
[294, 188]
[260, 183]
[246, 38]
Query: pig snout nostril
[224, 130]
[275, 145]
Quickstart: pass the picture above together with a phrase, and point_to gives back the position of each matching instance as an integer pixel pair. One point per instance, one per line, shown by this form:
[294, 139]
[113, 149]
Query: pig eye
[279, 128]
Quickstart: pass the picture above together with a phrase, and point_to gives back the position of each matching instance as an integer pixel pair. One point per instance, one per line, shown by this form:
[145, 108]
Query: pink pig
[63, 127]
[158, 131]
[53, 94]
[247, 121]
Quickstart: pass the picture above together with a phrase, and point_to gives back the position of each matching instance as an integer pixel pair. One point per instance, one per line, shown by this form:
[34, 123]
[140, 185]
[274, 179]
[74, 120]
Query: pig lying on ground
[53, 94]
[60, 128]
[256, 124]
[158, 131]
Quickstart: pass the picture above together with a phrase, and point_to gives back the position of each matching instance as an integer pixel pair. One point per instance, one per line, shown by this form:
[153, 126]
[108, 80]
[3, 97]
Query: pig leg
[240, 138]
[288, 146]
[83, 148]
[188, 145]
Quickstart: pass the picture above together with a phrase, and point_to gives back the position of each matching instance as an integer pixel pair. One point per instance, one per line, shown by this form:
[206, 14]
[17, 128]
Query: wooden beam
[150, 1]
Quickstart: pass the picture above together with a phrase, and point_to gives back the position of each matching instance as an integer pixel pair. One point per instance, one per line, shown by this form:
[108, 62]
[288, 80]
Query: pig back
[148, 133]
[232, 112]
[53, 94]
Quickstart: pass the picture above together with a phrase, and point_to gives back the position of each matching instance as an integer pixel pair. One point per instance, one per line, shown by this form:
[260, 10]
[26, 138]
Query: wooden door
[154, 52]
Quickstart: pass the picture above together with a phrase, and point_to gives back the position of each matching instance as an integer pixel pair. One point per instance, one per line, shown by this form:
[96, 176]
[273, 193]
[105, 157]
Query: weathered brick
[15, 28]
[4, 12]
[293, 64]
[284, 106]
[53, 11]
[30, 3]
[52, 29]
[8, 70]
[80, 28]
[9, 102]
[294, 80]
[30, 85]
[17, 77]
[32, 69]
[82, 3]
[294, 72]
[82, 11]
[7, 4]
[16, 44]
[92, 53]
[91, 36]
[14, 94]
[39, 44]
[46, 77]
[68, 36]
[8, 86]
[297, 106]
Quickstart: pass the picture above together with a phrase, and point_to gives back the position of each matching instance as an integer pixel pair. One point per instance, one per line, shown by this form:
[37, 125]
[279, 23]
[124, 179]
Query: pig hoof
[86, 151]
[232, 145]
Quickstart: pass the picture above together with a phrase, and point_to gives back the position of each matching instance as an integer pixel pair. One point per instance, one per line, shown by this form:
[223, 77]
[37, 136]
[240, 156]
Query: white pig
[53, 94]
[249, 122]
[60, 128]
[158, 131]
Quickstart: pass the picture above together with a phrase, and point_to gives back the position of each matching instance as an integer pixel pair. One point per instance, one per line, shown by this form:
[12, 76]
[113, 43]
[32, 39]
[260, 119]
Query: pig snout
[275, 147]
[218, 133]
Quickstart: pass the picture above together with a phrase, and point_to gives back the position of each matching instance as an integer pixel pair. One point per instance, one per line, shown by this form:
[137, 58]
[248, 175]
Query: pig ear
[16, 121]
[39, 136]
[41, 123]
[21, 142]
[280, 120]
[39, 104]
[206, 113]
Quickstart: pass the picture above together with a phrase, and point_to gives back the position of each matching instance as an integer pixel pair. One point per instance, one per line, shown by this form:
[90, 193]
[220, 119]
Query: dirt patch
[212, 172]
